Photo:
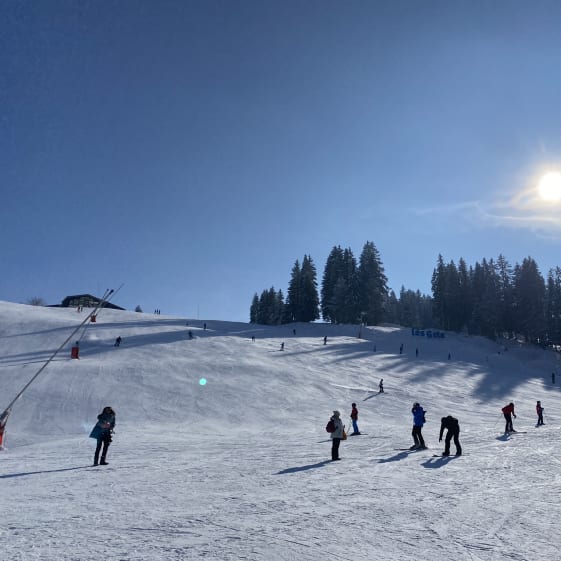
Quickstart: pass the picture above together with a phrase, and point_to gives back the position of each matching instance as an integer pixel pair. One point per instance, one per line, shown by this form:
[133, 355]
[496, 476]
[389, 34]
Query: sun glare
[550, 186]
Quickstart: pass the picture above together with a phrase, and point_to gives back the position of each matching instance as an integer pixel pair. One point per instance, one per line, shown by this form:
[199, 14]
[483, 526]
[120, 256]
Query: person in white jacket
[336, 435]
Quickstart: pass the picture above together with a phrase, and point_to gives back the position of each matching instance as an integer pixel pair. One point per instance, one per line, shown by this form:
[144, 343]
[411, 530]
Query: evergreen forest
[491, 298]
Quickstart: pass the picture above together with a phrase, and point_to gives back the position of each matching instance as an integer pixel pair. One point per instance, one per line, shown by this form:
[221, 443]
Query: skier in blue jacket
[418, 422]
[102, 433]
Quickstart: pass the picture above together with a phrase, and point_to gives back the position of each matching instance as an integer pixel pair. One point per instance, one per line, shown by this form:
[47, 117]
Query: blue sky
[194, 150]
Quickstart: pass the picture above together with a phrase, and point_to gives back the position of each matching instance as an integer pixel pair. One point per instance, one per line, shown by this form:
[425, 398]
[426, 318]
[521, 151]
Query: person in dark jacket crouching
[102, 433]
[452, 426]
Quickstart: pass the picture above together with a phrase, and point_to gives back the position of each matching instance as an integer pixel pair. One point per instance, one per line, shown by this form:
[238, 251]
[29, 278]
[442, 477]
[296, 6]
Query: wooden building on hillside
[86, 301]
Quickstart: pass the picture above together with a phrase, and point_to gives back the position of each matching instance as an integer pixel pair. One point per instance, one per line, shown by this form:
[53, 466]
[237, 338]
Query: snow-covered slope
[237, 468]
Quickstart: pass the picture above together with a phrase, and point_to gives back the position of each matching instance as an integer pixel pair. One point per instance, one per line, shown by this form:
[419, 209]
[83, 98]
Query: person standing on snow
[539, 411]
[418, 421]
[354, 418]
[102, 433]
[381, 386]
[508, 412]
[336, 435]
[452, 426]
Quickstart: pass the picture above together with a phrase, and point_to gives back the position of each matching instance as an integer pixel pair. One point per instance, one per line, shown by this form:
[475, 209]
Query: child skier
[418, 422]
[354, 418]
[539, 411]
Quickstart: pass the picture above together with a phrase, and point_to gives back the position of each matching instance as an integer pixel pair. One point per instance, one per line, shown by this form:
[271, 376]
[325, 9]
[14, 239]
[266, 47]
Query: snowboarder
[282, 346]
[453, 431]
[102, 433]
[381, 386]
[336, 435]
[118, 341]
[539, 411]
[508, 412]
[325, 340]
[418, 422]
[354, 418]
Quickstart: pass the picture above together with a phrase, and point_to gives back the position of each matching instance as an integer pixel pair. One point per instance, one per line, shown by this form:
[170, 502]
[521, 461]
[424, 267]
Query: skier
[102, 433]
[453, 431]
[539, 411]
[418, 422]
[325, 340]
[336, 435]
[118, 341]
[381, 386]
[508, 412]
[354, 418]
[282, 346]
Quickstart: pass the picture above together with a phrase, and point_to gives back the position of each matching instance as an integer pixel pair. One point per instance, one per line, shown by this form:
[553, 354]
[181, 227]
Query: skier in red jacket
[508, 412]
[354, 418]
[539, 411]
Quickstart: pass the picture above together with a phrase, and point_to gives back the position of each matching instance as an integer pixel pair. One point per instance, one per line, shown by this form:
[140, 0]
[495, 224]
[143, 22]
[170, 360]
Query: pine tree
[309, 306]
[349, 300]
[372, 285]
[254, 309]
[438, 285]
[553, 306]
[331, 274]
[392, 307]
[529, 290]
[504, 272]
[294, 297]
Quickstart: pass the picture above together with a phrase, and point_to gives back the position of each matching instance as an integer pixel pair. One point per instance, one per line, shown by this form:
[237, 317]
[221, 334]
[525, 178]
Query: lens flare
[202, 381]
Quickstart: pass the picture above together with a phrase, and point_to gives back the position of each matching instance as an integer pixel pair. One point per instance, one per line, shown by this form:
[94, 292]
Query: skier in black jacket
[453, 427]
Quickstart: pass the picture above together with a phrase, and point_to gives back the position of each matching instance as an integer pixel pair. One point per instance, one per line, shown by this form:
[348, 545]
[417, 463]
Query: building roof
[86, 300]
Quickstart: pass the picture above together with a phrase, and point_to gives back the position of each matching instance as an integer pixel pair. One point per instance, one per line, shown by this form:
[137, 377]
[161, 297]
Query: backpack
[330, 427]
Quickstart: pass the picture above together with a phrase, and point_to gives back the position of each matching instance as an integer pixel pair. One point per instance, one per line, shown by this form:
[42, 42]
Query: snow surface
[239, 468]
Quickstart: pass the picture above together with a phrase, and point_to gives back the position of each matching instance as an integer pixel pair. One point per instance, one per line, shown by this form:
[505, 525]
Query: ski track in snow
[240, 470]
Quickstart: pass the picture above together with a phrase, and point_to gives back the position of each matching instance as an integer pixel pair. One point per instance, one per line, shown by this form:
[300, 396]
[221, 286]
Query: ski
[443, 456]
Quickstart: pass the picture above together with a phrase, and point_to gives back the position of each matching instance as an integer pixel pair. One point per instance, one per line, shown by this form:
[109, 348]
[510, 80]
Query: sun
[549, 186]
